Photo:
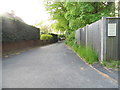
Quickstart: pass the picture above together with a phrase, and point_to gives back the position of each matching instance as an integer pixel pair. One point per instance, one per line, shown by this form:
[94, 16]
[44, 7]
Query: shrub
[46, 37]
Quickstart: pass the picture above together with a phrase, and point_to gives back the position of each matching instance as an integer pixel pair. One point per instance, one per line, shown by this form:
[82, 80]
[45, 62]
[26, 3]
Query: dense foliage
[69, 16]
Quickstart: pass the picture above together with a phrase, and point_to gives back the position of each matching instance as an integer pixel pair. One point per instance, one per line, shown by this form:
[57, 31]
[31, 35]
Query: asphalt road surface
[51, 66]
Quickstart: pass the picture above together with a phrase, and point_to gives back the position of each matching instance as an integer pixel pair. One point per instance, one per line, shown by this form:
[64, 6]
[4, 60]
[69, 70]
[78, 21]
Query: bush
[70, 39]
[46, 37]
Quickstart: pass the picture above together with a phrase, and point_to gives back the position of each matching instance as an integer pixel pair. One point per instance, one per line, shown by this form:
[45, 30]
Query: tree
[119, 8]
[69, 16]
[45, 29]
[57, 11]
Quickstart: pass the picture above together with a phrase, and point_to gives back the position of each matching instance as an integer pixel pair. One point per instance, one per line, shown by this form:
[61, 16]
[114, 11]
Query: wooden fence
[103, 36]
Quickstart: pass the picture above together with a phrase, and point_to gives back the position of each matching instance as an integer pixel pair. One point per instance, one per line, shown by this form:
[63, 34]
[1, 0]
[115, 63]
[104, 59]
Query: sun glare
[31, 11]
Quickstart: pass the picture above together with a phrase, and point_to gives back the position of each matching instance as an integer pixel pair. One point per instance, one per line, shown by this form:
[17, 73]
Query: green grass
[89, 54]
[84, 52]
[111, 64]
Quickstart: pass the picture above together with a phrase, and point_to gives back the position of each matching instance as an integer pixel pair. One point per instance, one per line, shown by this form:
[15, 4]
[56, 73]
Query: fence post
[87, 35]
[103, 39]
[79, 36]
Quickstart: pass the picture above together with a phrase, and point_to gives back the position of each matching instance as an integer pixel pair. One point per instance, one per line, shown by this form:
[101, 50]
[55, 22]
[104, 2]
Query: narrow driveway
[52, 66]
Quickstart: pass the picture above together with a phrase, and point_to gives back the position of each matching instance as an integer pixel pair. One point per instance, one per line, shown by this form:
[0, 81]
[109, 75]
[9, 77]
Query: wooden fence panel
[112, 42]
[77, 36]
[83, 36]
[94, 36]
[119, 39]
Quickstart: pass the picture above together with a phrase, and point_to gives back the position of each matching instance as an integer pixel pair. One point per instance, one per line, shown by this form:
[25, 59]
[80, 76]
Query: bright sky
[31, 11]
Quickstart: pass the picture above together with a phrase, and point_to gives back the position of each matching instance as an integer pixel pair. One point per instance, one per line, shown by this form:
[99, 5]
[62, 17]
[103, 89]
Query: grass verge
[87, 53]
[114, 64]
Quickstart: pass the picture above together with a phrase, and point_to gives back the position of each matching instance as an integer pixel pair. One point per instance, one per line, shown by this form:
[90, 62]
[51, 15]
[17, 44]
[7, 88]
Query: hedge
[15, 30]
[46, 37]
[49, 36]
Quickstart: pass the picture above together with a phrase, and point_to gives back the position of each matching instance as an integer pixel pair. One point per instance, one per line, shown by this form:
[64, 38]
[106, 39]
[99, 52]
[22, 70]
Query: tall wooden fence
[103, 36]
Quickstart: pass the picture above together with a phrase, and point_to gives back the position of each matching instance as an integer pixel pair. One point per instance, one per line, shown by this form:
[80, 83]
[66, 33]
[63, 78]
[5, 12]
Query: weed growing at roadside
[111, 63]
[84, 52]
